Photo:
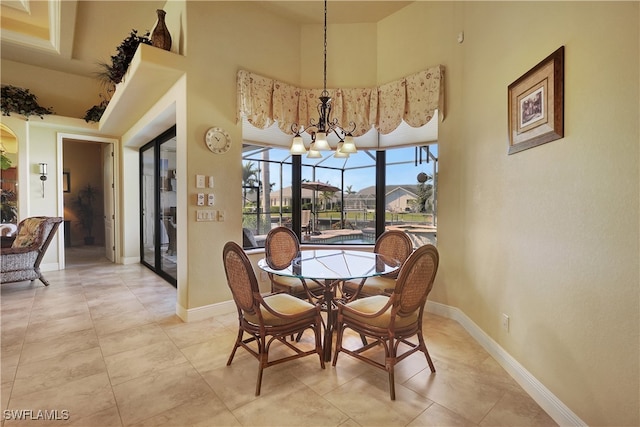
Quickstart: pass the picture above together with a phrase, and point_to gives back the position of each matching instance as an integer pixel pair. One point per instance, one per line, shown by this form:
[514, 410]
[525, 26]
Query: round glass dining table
[329, 267]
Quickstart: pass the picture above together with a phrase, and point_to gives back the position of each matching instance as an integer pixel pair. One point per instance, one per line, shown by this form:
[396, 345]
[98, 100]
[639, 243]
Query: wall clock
[218, 140]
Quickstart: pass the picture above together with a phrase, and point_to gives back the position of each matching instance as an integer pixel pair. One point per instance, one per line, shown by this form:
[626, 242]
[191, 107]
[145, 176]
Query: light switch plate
[200, 181]
[221, 215]
[210, 199]
[210, 182]
[200, 199]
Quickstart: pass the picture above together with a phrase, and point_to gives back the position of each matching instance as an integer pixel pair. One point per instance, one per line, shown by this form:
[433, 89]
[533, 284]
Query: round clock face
[218, 140]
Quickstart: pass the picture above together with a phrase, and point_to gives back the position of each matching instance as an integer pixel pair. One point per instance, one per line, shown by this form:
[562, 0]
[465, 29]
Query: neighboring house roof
[409, 188]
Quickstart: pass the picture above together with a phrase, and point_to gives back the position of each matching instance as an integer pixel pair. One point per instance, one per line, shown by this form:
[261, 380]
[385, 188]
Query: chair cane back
[392, 320]
[395, 244]
[281, 247]
[267, 319]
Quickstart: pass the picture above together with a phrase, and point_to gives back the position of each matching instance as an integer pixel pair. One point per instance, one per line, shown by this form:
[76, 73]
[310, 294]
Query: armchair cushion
[22, 260]
[29, 232]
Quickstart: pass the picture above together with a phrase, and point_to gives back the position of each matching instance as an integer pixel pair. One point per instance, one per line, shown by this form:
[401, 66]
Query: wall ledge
[152, 73]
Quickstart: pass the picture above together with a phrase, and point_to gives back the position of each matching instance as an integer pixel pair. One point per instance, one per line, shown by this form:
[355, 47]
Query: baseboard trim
[205, 311]
[553, 406]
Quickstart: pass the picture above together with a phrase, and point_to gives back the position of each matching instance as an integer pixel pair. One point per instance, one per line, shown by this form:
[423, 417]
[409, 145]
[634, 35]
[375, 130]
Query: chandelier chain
[325, 46]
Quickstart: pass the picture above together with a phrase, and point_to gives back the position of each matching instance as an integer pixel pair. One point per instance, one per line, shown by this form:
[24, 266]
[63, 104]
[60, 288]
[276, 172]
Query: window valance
[413, 99]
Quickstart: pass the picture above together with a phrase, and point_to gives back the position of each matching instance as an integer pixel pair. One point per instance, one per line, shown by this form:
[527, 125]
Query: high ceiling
[72, 36]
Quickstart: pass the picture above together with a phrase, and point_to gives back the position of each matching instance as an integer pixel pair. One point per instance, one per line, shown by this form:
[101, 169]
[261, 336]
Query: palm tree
[249, 178]
[350, 190]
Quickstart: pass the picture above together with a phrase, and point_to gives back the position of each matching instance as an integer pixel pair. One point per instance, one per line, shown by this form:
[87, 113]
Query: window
[339, 195]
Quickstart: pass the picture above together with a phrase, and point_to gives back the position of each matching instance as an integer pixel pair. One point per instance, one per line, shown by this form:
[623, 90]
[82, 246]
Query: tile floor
[103, 343]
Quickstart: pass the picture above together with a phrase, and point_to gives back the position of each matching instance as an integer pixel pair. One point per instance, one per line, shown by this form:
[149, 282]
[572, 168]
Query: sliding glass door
[158, 221]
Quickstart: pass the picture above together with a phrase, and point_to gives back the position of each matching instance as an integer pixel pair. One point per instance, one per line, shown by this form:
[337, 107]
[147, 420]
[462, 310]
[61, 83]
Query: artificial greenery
[114, 72]
[110, 74]
[21, 101]
[94, 114]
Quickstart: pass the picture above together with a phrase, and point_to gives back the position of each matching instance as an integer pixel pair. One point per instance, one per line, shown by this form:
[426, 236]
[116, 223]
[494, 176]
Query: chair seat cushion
[292, 285]
[373, 304]
[376, 285]
[282, 303]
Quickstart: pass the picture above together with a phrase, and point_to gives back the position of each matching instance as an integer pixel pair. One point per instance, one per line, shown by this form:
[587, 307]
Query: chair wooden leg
[392, 384]
[235, 347]
[423, 346]
[340, 327]
[259, 381]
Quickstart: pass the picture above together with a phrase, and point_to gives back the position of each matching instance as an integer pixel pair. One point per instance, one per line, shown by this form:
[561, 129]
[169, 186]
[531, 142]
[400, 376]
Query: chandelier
[325, 125]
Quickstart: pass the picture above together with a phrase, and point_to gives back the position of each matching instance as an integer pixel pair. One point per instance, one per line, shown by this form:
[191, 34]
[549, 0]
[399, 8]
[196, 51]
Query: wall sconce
[43, 175]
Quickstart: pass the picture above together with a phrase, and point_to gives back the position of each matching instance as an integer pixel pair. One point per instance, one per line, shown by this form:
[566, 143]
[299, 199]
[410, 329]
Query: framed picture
[66, 182]
[536, 104]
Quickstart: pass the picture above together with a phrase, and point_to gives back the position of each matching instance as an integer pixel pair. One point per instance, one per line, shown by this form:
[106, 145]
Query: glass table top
[334, 264]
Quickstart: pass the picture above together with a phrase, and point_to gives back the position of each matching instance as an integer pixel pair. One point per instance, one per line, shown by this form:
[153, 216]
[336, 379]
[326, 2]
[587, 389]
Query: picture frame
[66, 182]
[536, 104]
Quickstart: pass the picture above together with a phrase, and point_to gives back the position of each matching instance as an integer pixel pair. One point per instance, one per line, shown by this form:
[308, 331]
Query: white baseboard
[206, 311]
[557, 410]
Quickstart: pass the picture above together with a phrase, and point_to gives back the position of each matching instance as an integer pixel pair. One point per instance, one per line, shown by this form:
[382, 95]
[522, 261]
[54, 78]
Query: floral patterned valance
[413, 99]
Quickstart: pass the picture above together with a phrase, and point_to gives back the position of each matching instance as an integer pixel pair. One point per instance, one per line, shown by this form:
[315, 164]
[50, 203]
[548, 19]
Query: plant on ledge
[112, 74]
[94, 114]
[21, 101]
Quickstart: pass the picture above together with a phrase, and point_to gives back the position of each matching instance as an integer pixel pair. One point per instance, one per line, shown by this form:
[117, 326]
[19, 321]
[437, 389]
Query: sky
[356, 175]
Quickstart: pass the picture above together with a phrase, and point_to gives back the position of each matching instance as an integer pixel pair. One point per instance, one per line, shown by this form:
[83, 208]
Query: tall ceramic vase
[160, 36]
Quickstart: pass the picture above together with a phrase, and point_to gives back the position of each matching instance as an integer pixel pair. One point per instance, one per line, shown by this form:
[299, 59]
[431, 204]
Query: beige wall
[548, 236]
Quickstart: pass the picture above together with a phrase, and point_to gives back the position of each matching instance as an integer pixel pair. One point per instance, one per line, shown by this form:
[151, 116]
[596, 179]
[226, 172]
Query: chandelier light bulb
[313, 153]
[297, 146]
[349, 145]
[340, 153]
[321, 143]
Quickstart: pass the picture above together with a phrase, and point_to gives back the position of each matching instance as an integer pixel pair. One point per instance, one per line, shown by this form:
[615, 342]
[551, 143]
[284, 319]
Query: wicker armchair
[392, 243]
[269, 318]
[281, 247]
[21, 261]
[392, 320]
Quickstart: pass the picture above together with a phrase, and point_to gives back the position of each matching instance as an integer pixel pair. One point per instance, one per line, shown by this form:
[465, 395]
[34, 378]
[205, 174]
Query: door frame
[114, 195]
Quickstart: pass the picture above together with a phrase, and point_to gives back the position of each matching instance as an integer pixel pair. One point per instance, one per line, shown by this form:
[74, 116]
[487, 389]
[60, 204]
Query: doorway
[158, 220]
[88, 200]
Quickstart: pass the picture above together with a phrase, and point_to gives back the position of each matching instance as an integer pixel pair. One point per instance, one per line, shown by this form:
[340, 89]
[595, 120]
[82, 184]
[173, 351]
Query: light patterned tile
[131, 339]
[437, 416]
[57, 345]
[45, 328]
[205, 411]
[142, 361]
[82, 398]
[366, 400]
[154, 394]
[56, 371]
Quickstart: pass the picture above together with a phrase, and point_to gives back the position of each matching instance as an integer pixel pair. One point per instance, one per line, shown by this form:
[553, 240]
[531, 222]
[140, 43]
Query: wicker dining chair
[392, 243]
[282, 246]
[392, 320]
[267, 319]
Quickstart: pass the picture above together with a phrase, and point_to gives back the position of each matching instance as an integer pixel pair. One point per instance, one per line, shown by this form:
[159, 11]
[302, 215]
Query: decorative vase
[161, 37]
